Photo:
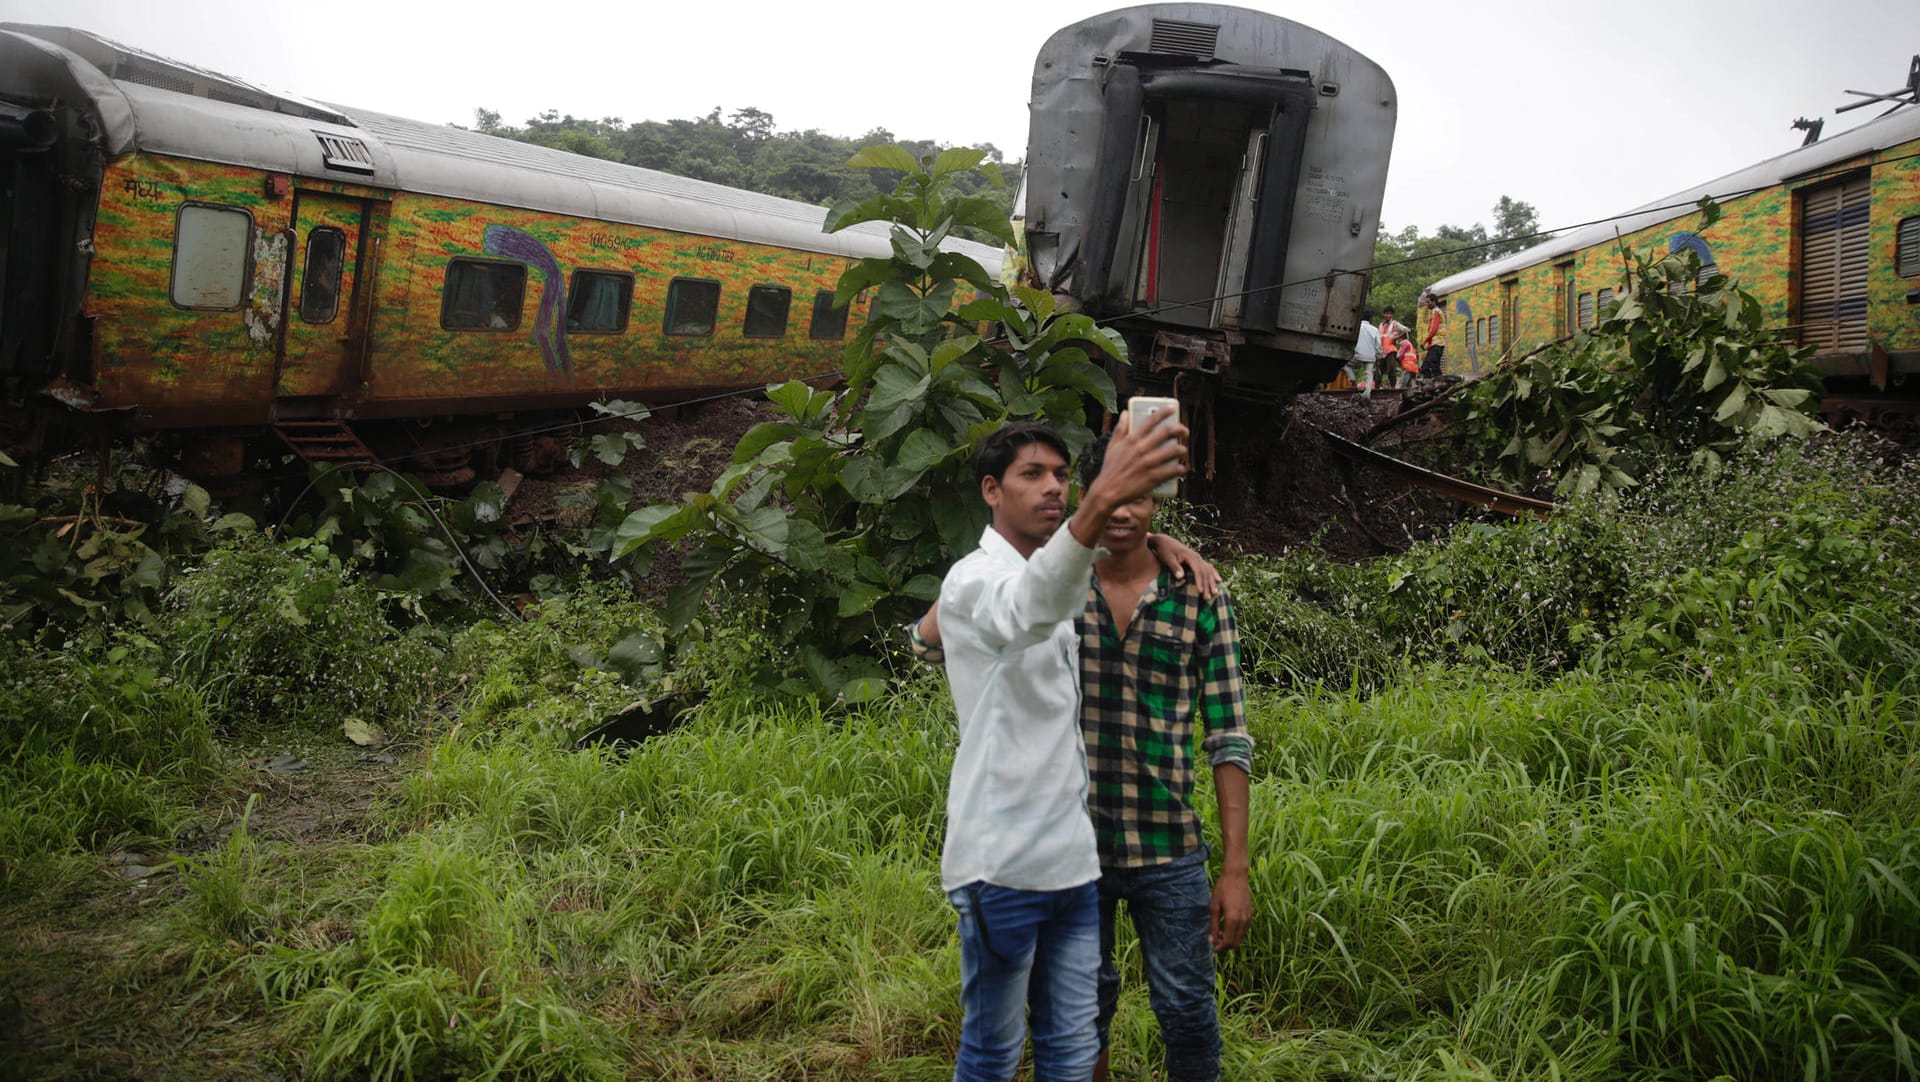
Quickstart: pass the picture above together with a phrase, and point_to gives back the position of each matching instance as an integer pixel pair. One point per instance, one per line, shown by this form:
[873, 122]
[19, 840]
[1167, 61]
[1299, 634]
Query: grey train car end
[1209, 179]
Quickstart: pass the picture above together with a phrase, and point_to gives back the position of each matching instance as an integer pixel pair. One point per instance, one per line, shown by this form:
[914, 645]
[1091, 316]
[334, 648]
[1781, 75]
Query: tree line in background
[743, 150]
[1405, 263]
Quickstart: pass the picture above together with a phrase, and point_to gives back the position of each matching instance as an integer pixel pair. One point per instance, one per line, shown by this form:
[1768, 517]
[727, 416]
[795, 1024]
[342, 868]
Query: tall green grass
[101, 750]
[1596, 876]
[1633, 794]
[1721, 878]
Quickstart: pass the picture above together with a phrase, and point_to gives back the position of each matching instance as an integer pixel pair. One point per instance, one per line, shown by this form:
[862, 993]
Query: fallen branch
[97, 520]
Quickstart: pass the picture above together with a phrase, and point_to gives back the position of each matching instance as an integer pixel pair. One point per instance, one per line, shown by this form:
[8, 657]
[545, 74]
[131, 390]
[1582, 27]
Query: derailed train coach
[236, 271]
[1207, 179]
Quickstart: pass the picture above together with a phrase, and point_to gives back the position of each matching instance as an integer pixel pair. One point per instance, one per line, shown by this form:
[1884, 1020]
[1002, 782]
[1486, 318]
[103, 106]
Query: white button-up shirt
[1367, 348]
[1017, 804]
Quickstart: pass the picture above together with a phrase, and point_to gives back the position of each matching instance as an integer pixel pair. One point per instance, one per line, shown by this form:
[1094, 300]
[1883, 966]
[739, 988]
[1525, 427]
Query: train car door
[1836, 254]
[319, 351]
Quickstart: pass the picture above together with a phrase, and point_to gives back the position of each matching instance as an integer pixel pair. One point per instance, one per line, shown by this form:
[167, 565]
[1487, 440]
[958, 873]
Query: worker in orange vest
[1435, 338]
[1392, 334]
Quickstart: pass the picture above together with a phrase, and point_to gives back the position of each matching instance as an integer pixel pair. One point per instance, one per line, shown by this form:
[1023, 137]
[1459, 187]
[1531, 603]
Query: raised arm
[1135, 464]
[1012, 611]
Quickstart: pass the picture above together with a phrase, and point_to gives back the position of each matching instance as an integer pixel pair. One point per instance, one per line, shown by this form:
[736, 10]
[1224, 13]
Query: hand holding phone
[1141, 407]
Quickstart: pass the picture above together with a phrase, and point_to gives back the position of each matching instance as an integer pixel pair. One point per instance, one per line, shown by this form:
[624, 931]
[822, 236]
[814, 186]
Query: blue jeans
[1171, 906]
[1027, 955]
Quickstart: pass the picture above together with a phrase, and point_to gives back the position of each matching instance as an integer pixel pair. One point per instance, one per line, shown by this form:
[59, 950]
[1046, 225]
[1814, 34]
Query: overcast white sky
[1582, 109]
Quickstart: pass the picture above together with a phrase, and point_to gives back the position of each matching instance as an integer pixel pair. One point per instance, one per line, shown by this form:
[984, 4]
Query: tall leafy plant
[838, 520]
[1677, 368]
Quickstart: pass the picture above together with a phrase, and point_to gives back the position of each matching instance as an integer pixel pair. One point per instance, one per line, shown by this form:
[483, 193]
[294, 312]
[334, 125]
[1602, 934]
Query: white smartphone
[1140, 407]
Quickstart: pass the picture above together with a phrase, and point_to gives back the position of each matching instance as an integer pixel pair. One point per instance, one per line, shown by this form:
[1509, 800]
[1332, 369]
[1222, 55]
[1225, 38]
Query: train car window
[320, 284]
[1601, 300]
[693, 307]
[210, 249]
[483, 296]
[598, 302]
[1586, 311]
[1480, 331]
[1493, 331]
[1906, 259]
[767, 311]
[828, 321]
[1707, 270]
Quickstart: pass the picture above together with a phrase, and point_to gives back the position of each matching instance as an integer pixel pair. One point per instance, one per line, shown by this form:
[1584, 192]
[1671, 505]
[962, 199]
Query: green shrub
[1697, 568]
[284, 633]
[227, 896]
[439, 981]
[1631, 875]
[1303, 618]
[576, 659]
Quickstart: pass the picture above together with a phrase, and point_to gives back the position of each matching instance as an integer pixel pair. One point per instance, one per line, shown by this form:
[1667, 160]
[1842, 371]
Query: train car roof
[149, 103]
[1899, 127]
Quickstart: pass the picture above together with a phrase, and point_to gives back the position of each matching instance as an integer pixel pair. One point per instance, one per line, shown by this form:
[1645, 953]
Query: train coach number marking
[603, 240]
[150, 191]
[1322, 196]
[713, 254]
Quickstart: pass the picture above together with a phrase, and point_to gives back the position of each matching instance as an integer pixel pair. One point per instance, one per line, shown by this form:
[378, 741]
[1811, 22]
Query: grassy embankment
[1633, 794]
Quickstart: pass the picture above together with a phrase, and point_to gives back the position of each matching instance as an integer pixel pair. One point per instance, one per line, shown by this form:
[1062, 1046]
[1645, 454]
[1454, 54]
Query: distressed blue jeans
[1027, 956]
[1171, 906]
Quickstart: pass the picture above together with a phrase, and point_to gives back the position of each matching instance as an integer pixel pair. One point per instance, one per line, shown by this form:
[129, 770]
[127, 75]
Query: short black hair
[1091, 459]
[1367, 314]
[1388, 310]
[1094, 457]
[997, 452]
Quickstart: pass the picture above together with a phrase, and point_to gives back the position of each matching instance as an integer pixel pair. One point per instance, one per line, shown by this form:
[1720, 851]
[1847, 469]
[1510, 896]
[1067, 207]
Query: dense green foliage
[1674, 369]
[1406, 263]
[1695, 568]
[835, 523]
[1627, 794]
[93, 549]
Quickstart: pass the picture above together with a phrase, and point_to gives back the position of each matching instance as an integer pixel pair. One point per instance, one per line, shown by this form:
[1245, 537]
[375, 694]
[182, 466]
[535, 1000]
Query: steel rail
[1466, 491]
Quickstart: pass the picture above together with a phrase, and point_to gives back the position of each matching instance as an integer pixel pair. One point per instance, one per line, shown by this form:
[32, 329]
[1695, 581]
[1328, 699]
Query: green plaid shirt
[1138, 702]
[1141, 697]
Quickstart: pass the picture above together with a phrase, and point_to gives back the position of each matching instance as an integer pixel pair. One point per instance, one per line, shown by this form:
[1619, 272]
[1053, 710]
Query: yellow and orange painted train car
[1827, 237]
[190, 255]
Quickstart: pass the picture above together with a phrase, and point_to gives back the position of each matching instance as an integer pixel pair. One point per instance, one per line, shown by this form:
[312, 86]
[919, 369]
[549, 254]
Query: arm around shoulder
[1014, 607]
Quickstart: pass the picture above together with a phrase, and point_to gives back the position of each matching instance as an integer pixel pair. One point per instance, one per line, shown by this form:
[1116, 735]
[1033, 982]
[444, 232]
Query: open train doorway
[31, 231]
[1205, 180]
[1206, 166]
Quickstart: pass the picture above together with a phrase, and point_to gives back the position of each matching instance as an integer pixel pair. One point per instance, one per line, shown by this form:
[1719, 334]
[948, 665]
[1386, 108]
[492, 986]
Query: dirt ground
[1277, 483]
[1281, 485]
[90, 985]
[686, 448]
